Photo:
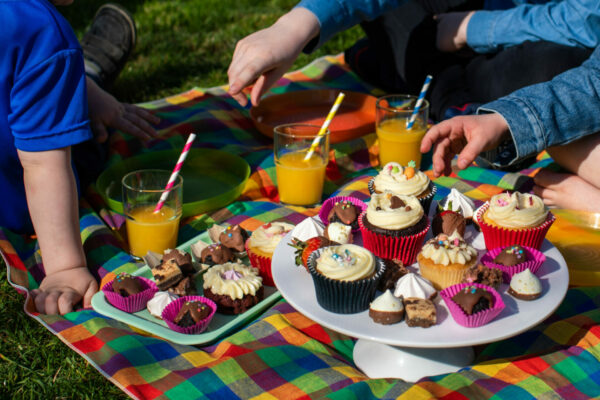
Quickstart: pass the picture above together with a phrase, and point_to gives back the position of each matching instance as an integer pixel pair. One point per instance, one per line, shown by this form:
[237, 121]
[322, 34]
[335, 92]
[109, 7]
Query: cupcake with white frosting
[234, 287]
[443, 260]
[261, 245]
[386, 309]
[517, 218]
[404, 180]
[345, 277]
[394, 226]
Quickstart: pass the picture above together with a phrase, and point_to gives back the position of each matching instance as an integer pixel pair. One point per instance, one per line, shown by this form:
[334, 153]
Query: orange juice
[149, 231]
[398, 144]
[300, 182]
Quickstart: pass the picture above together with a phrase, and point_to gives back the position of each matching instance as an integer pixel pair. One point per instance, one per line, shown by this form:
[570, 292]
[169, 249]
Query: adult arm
[552, 113]
[567, 22]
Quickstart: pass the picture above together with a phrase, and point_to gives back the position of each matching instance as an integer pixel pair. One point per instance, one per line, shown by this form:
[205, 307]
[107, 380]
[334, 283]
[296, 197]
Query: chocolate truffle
[185, 287]
[126, 285]
[192, 312]
[183, 260]
[481, 274]
[394, 270]
[234, 237]
[345, 212]
[216, 254]
[473, 299]
[448, 222]
[511, 255]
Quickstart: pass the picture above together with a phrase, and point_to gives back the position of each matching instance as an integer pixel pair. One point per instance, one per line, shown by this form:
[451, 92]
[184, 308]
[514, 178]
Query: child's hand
[60, 290]
[466, 136]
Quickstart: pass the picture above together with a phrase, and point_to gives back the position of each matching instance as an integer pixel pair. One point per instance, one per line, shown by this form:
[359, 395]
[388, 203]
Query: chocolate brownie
[228, 305]
[419, 312]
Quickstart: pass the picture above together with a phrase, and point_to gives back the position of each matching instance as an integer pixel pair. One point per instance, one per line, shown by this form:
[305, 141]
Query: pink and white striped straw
[173, 177]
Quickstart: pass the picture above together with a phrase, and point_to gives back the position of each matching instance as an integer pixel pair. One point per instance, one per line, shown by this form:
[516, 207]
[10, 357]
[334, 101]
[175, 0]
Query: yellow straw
[323, 129]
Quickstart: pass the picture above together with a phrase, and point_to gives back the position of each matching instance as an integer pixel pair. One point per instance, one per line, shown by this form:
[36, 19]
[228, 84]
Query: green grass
[181, 44]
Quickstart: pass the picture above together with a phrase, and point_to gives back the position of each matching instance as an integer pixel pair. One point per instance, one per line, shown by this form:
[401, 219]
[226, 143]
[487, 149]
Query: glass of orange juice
[396, 142]
[300, 180]
[148, 230]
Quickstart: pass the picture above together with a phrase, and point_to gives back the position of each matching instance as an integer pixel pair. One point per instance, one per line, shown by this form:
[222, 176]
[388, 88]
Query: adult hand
[466, 136]
[60, 290]
[264, 56]
[107, 112]
[452, 30]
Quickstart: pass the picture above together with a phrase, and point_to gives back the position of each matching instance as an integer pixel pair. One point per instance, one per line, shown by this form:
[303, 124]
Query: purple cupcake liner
[134, 303]
[344, 297]
[170, 312]
[330, 203]
[479, 318]
[536, 259]
[425, 201]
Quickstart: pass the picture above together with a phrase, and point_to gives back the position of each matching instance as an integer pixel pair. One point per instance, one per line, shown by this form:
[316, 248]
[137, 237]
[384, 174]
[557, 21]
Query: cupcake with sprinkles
[342, 209]
[394, 226]
[514, 259]
[189, 314]
[345, 277]
[472, 304]
[129, 293]
[517, 218]
[402, 180]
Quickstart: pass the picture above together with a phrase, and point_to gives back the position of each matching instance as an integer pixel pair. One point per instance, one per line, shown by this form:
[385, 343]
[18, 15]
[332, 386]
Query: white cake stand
[399, 351]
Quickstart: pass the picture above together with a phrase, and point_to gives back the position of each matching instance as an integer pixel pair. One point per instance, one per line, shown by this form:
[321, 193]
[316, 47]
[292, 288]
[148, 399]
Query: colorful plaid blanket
[284, 354]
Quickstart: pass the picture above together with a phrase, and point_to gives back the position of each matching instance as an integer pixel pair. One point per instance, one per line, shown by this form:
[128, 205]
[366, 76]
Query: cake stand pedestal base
[378, 360]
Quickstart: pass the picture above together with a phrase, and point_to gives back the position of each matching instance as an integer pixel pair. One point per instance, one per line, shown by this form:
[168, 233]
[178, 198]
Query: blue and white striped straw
[413, 117]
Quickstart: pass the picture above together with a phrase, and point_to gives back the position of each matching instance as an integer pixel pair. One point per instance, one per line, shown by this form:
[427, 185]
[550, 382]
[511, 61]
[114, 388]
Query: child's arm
[52, 199]
[466, 136]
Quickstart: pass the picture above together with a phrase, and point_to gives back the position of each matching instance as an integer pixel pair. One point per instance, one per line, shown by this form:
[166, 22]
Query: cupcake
[157, 304]
[342, 209]
[261, 245]
[513, 259]
[394, 226]
[459, 203]
[472, 304]
[404, 180]
[129, 293]
[189, 314]
[525, 286]
[413, 285]
[443, 260]
[345, 277]
[515, 218]
[386, 309]
[234, 287]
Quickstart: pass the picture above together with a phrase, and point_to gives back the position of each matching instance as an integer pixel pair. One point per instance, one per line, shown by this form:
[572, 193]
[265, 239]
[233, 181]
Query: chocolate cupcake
[234, 237]
[216, 254]
[472, 304]
[234, 287]
[125, 294]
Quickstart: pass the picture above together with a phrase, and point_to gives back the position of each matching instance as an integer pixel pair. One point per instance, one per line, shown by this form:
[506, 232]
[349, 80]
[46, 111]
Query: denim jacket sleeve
[337, 15]
[568, 22]
[550, 113]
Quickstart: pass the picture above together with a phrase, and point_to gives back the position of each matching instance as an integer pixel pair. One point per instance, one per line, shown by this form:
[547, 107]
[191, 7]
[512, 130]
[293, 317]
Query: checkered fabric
[284, 354]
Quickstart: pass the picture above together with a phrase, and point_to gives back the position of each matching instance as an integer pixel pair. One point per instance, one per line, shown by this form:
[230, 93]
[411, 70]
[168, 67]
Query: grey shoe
[108, 43]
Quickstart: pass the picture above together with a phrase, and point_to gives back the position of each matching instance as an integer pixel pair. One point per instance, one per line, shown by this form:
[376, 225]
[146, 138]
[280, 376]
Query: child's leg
[580, 189]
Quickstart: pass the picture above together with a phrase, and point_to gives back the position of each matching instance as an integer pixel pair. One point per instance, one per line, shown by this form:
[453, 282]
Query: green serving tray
[211, 178]
[220, 326]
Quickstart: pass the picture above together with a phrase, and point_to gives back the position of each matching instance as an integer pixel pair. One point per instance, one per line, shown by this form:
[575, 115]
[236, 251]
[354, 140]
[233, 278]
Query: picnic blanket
[283, 354]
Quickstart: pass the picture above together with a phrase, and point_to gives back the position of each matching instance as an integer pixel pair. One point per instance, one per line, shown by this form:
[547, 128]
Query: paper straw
[413, 117]
[173, 177]
[323, 129]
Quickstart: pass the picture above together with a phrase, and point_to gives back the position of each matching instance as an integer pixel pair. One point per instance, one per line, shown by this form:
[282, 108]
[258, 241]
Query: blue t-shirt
[43, 98]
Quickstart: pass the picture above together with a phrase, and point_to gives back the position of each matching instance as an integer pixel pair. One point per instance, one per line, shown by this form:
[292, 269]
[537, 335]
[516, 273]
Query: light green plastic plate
[211, 178]
[220, 326]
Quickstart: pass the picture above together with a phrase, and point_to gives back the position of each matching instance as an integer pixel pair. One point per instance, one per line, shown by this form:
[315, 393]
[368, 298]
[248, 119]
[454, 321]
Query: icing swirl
[393, 178]
[517, 210]
[232, 279]
[268, 236]
[456, 201]
[385, 212]
[446, 250]
[347, 262]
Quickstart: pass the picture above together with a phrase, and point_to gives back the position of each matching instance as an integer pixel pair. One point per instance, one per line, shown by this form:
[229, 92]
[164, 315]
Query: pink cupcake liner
[134, 303]
[404, 248]
[536, 259]
[479, 318]
[330, 203]
[170, 312]
[496, 236]
[263, 264]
